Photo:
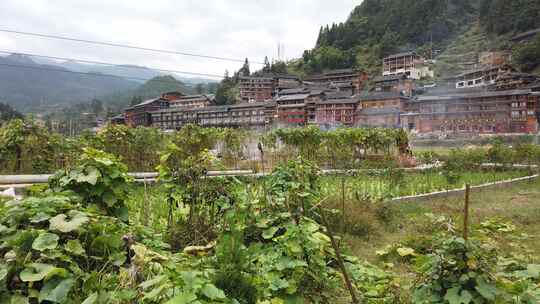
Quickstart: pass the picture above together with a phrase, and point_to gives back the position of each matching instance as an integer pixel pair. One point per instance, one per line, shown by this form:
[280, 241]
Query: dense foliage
[60, 248]
[30, 148]
[377, 28]
[8, 113]
[501, 17]
[26, 146]
[527, 56]
[100, 180]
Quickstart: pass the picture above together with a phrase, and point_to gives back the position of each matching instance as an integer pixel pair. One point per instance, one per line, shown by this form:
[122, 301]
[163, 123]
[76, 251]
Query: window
[470, 83]
[461, 84]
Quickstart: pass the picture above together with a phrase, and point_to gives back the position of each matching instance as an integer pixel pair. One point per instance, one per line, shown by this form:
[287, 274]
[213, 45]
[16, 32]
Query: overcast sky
[226, 28]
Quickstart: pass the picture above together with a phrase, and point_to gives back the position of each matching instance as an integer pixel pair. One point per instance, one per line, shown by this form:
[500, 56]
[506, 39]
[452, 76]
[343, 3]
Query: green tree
[8, 113]
[244, 71]
[266, 67]
[199, 88]
[96, 106]
[24, 144]
[527, 56]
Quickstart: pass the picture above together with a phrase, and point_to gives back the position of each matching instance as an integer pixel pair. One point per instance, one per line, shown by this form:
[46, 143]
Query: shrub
[100, 179]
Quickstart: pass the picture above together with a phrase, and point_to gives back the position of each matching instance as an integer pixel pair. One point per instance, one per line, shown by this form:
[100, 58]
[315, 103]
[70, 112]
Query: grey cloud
[228, 28]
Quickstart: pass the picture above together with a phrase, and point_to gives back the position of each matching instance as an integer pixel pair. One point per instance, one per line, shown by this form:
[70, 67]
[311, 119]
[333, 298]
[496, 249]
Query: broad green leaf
[269, 233]
[45, 241]
[452, 295]
[56, 290]
[3, 271]
[36, 272]
[183, 298]
[3, 228]
[67, 223]
[152, 282]
[212, 292]
[109, 198]
[192, 280]
[487, 290]
[17, 299]
[40, 217]
[75, 247]
[91, 299]
[405, 251]
[90, 177]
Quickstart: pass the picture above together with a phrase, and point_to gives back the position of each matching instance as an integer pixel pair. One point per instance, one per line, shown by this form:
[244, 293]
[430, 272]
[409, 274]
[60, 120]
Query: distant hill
[27, 85]
[36, 84]
[150, 89]
[137, 73]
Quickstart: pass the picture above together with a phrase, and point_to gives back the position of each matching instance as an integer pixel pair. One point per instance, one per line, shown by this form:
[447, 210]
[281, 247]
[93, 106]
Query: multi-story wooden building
[396, 83]
[513, 81]
[380, 109]
[262, 88]
[140, 114]
[345, 79]
[239, 115]
[193, 101]
[481, 77]
[291, 109]
[512, 111]
[336, 111]
[409, 64]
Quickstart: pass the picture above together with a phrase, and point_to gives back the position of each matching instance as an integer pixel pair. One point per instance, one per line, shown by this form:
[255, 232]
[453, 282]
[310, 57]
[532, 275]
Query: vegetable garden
[94, 236]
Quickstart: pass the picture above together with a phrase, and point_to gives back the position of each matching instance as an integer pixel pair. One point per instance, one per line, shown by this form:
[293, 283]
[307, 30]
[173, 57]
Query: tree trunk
[18, 155]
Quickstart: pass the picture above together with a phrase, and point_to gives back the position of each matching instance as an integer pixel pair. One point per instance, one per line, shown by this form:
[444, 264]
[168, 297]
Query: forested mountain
[27, 85]
[503, 16]
[150, 89]
[35, 84]
[377, 28]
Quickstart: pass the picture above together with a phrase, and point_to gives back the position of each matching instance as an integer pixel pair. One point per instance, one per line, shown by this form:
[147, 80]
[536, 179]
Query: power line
[47, 36]
[80, 73]
[125, 66]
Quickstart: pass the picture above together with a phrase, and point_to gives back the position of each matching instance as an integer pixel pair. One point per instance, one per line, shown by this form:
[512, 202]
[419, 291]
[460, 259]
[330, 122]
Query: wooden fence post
[339, 259]
[343, 205]
[466, 213]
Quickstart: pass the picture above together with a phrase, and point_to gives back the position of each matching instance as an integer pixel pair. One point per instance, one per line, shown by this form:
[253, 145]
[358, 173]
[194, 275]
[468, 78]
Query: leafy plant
[100, 179]
[50, 248]
[457, 271]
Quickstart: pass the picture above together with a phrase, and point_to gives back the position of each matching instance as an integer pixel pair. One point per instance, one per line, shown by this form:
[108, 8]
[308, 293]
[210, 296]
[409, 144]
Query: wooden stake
[339, 259]
[343, 205]
[466, 213]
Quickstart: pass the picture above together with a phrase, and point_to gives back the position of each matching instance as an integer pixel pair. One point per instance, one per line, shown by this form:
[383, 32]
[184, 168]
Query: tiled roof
[338, 95]
[340, 101]
[293, 97]
[422, 98]
[380, 96]
[410, 53]
[389, 78]
[292, 91]
[144, 103]
[249, 104]
[525, 34]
